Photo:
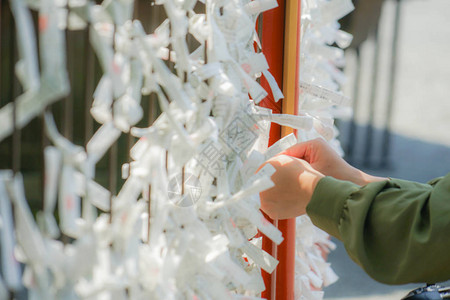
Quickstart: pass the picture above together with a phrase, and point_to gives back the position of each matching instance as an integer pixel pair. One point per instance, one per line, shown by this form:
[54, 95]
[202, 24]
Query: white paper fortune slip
[324, 94]
[10, 266]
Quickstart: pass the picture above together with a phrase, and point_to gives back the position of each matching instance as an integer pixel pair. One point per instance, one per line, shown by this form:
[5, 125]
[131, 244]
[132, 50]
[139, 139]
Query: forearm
[396, 230]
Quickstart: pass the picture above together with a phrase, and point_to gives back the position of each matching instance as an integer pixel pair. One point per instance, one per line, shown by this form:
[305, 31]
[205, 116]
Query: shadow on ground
[409, 159]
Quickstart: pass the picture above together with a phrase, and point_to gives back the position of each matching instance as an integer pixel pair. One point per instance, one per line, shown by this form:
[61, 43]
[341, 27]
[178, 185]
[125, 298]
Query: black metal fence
[23, 150]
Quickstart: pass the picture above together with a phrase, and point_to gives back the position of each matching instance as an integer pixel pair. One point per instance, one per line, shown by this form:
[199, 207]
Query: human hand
[295, 181]
[325, 160]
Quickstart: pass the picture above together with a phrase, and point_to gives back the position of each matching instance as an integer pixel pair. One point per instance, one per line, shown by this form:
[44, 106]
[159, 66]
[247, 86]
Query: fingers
[286, 162]
[299, 150]
[304, 150]
[279, 160]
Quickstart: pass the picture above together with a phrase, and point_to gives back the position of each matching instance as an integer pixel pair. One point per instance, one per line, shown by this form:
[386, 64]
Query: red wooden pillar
[281, 45]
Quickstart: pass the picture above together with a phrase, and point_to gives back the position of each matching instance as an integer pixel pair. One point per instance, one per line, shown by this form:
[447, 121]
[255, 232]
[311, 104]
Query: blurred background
[398, 71]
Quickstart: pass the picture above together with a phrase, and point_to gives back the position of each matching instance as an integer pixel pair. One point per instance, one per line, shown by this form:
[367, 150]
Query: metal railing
[23, 150]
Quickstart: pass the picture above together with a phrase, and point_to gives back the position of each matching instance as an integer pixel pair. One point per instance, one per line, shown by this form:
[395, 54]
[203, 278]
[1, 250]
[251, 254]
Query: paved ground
[421, 121]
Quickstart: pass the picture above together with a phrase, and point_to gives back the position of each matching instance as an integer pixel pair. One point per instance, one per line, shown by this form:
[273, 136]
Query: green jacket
[398, 231]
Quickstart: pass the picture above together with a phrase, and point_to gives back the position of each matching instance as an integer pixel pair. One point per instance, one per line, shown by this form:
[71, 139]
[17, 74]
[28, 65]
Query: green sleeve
[398, 231]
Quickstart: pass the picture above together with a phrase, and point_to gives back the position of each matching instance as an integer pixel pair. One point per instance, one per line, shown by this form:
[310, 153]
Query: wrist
[308, 182]
[361, 178]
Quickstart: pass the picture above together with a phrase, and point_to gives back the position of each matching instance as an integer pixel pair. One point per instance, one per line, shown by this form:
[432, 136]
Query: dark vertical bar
[153, 109]
[152, 23]
[182, 181]
[167, 160]
[373, 93]
[112, 175]
[135, 9]
[16, 136]
[170, 65]
[67, 119]
[206, 52]
[391, 90]
[259, 32]
[44, 143]
[7, 33]
[130, 143]
[260, 27]
[113, 154]
[349, 153]
[188, 36]
[89, 88]
[149, 211]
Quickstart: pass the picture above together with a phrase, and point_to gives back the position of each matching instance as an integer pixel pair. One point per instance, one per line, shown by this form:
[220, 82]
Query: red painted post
[281, 45]
[272, 41]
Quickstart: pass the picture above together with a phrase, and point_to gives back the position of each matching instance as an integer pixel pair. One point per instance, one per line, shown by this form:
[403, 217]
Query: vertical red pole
[272, 41]
[281, 46]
